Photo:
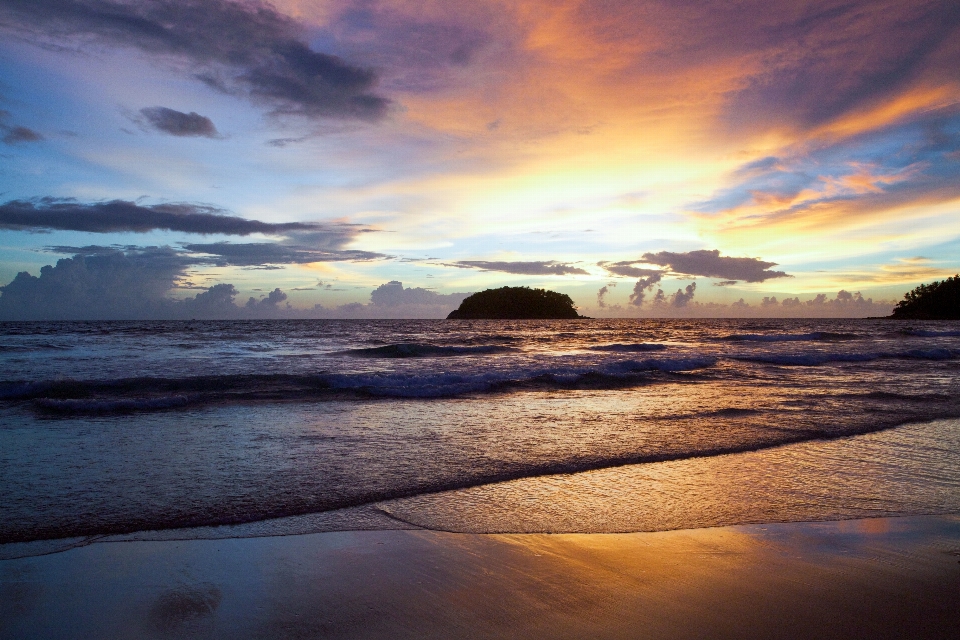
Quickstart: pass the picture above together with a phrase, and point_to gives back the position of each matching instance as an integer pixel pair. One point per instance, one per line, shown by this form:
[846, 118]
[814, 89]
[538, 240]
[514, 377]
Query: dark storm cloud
[15, 134]
[711, 264]
[266, 253]
[119, 216]
[180, 124]
[234, 47]
[533, 268]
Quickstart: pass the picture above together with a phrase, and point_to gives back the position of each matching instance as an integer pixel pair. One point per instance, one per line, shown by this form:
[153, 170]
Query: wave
[219, 514]
[27, 348]
[826, 336]
[130, 405]
[819, 358]
[66, 397]
[920, 333]
[418, 350]
[630, 348]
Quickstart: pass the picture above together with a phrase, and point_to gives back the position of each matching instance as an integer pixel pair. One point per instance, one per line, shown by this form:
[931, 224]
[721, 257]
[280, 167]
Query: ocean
[167, 430]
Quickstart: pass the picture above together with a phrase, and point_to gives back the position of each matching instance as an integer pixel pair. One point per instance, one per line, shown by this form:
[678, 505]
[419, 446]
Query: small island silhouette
[934, 301]
[516, 303]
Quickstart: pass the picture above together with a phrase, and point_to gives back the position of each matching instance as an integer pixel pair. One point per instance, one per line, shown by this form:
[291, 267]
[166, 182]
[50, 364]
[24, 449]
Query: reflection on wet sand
[760, 581]
[909, 470]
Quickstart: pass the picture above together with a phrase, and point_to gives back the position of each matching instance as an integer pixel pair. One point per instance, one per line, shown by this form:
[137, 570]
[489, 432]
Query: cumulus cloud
[99, 285]
[642, 285]
[104, 283]
[244, 48]
[392, 300]
[177, 123]
[600, 295]
[683, 296]
[121, 216]
[711, 264]
[844, 304]
[393, 294]
[532, 268]
[270, 302]
[14, 134]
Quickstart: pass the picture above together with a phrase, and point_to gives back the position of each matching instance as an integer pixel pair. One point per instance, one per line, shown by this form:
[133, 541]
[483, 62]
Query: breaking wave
[825, 336]
[821, 357]
[152, 394]
[630, 348]
[920, 333]
[416, 350]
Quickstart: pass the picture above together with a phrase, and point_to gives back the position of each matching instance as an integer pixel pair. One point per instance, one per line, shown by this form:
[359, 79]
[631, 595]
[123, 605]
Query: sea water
[186, 429]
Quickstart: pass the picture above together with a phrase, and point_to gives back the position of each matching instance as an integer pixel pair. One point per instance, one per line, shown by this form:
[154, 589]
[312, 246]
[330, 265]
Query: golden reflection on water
[909, 470]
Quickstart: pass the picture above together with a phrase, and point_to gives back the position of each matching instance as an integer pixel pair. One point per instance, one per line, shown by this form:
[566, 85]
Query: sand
[874, 578]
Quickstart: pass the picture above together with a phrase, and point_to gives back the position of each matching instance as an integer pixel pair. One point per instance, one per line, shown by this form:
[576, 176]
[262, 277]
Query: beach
[418, 479]
[867, 578]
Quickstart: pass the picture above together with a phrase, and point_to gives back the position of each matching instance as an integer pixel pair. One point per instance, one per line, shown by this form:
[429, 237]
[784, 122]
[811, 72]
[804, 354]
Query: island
[934, 301]
[516, 303]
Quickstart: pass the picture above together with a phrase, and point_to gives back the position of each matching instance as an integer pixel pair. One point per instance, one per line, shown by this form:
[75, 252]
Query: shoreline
[876, 577]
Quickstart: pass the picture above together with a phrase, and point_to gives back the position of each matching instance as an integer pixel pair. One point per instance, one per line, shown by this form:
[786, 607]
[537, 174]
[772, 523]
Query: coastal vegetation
[934, 301]
[516, 303]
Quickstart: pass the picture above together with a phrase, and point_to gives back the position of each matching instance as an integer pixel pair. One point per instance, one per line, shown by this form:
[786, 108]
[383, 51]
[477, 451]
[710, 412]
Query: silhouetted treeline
[515, 303]
[934, 301]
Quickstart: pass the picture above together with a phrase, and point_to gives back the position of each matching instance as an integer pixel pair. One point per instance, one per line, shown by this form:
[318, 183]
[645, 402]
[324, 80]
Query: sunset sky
[803, 151]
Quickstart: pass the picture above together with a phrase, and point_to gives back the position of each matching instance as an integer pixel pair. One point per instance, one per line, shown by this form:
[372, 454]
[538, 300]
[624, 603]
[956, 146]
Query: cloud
[843, 305]
[846, 179]
[642, 285]
[683, 296]
[392, 300]
[711, 264]
[393, 294]
[533, 268]
[625, 268]
[244, 48]
[600, 294]
[269, 303]
[120, 216]
[100, 285]
[15, 134]
[265, 253]
[180, 124]
[103, 283]
[825, 61]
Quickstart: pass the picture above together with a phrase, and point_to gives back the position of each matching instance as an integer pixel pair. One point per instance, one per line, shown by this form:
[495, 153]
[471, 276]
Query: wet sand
[877, 578]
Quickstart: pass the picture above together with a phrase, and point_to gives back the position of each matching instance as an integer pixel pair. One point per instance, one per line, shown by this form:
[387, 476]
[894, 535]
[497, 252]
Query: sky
[363, 158]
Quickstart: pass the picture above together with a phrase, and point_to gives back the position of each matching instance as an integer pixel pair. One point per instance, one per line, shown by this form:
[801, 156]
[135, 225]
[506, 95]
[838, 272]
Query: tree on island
[516, 303]
[934, 301]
